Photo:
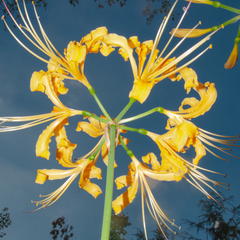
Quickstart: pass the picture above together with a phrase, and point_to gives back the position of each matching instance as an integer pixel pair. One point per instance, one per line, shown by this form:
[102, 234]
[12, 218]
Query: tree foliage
[61, 229]
[218, 222]
[5, 221]
[12, 6]
[151, 9]
[118, 225]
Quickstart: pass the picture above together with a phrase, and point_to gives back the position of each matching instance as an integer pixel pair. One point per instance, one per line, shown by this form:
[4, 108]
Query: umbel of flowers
[151, 67]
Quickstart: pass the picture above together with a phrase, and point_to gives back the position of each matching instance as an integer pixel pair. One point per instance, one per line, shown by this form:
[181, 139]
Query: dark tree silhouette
[5, 221]
[12, 6]
[215, 221]
[219, 220]
[151, 9]
[60, 228]
[158, 235]
[118, 224]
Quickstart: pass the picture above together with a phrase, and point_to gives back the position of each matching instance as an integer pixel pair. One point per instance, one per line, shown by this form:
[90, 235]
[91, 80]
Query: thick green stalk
[92, 91]
[109, 186]
[157, 109]
[121, 114]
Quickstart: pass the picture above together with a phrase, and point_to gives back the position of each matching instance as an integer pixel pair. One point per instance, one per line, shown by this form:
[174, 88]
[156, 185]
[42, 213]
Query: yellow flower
[157, 67]
[84, 166]
[232, 60]
[74, 55]
[189, 33]
[139, 171]
[184, 134]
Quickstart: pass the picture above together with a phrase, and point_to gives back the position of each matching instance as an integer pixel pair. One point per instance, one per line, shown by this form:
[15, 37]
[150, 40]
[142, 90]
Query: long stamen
[185, 11]
[54, 196]
[34, 54]
[219, 148]
[172, 51]
[217, 135]
[157, 39]
[182, 56]
[179, 68]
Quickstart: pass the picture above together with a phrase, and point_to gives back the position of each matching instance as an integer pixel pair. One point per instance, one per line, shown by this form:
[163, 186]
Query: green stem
[92, 91]
[141, 131]
[237, 39]
[121, 114]
[157, 109]
[225, 23]
[88, 114]
[109, 186]
[217, 4]
[129, 152]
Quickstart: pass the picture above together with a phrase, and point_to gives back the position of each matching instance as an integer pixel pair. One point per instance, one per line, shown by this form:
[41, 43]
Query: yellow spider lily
[74, 55]
[84, 166]
[157, 68]
[139, 171]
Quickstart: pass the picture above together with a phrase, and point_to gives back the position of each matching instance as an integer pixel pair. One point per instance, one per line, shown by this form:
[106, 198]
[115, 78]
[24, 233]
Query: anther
[3, 17]
[210, 46]
[225, 175]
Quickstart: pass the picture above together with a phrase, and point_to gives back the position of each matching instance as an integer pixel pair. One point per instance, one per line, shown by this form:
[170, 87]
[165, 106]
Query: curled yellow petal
[90, 129]
[42, 81]
[76, 52]
[64, 146]
[42, 146]
[53, 174]
[141, 90]
[94, 39]
[151, 157]
[126, 198]
[90, 171]
[190, 78]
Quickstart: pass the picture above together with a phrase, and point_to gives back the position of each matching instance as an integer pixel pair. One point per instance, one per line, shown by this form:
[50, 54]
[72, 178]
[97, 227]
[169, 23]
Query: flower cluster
[151, 67]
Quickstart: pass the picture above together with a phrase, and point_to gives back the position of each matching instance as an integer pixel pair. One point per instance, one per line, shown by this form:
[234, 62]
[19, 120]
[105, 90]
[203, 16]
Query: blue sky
[112, 79]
